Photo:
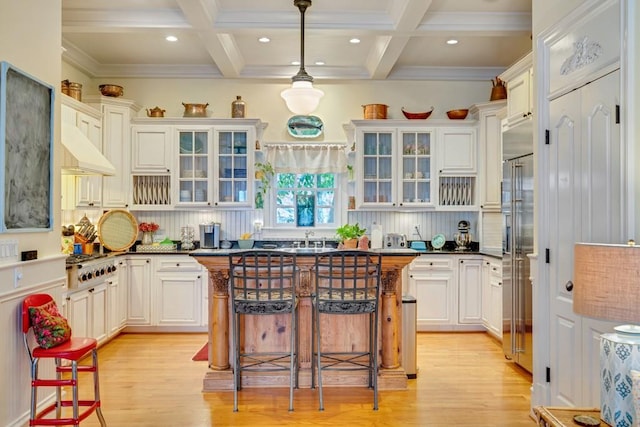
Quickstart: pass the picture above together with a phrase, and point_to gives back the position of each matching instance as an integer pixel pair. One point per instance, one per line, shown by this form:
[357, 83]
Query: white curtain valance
[307, 158]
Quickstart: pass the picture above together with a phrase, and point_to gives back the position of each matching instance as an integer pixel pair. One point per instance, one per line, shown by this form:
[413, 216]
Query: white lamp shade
[302, 98]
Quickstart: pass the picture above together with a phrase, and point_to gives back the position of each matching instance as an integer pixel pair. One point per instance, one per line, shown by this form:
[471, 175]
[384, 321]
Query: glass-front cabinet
[211, 165]
[395, 168]
[402, 165]
[193, 166]
[378, 168]
[235, 167]
[415, 168]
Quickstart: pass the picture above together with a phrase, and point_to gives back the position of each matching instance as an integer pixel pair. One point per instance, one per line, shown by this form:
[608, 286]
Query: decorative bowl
[416, 116]
[457, 114]
[111, 90]
[245, 243]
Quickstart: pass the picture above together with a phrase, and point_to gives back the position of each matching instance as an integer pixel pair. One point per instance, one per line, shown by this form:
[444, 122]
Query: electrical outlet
[257, 226]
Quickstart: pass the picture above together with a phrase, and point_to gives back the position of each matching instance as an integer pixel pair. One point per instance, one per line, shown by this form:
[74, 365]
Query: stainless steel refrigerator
[517, 242]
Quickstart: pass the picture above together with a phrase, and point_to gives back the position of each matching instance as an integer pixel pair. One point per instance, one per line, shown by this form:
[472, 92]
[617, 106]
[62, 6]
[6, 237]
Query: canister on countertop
[376, 236]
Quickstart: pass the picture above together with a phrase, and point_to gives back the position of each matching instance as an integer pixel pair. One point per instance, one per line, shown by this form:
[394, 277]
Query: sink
[307, 250]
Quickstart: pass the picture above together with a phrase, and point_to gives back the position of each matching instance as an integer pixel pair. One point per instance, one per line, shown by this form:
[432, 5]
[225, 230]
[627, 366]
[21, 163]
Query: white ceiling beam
[406, 15]
[221, 47]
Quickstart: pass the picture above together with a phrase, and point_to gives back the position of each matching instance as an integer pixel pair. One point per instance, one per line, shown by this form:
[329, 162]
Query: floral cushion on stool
[50, 328]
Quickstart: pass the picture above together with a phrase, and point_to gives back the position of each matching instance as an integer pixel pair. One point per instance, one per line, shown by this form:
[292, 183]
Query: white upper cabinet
[116, 143]
[519, 80]
[456, 151]
[194, 162]
[400, 164]
[81, 191]
[489, 116]
[151, 149]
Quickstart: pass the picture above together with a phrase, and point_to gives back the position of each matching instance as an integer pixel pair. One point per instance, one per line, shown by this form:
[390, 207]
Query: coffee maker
[463, 237]
[210, 235]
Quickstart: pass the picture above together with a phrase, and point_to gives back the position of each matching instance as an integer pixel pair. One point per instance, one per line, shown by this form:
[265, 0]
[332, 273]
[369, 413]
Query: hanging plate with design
[305, 126]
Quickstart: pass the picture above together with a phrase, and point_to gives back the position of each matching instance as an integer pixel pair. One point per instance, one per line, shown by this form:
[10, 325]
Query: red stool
[72, 350]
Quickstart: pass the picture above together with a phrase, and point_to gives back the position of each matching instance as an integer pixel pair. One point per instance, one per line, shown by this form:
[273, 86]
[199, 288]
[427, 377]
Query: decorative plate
[117, 230]
[305, 126]
[438, 241]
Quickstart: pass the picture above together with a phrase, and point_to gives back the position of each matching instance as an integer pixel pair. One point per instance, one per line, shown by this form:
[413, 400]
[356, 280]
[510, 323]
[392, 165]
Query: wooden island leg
[391, 375]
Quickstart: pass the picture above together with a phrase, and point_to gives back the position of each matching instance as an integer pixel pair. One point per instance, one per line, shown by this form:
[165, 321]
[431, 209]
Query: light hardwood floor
[463, 380]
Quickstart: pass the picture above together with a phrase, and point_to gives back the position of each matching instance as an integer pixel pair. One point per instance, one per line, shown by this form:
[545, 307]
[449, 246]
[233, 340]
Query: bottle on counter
[376, 236]
[238, 108]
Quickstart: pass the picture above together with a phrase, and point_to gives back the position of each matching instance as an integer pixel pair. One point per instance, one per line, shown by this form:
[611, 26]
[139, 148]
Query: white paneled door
[586, 203]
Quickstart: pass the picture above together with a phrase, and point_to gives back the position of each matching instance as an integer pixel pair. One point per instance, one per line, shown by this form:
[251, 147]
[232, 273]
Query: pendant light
[302, 98]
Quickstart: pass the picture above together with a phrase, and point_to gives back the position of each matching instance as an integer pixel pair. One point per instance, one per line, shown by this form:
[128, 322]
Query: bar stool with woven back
[263, 282]
[53, 335]
[347, 282]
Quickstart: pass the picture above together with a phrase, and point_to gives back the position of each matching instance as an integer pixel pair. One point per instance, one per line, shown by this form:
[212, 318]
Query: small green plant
[349, 231]
[264, 173]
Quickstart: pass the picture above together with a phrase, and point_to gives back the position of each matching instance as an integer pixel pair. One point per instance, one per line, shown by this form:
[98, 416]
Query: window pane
[306, 180]
[284, 215]
[305, 200]
[285, 198]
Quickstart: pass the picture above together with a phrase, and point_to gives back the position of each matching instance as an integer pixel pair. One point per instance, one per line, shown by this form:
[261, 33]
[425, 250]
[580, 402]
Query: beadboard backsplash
[236, 222]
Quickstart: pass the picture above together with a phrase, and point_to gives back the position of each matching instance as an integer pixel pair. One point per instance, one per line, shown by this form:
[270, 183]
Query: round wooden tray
[117, 230]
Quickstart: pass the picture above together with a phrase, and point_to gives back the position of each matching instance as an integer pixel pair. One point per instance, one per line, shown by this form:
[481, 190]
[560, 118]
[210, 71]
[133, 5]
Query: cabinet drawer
[431, 263]
[173, 264]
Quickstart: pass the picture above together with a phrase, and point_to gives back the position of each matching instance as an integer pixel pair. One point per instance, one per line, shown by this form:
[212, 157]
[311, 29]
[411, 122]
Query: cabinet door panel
[179, 300]
[434, 295]
[151, 149]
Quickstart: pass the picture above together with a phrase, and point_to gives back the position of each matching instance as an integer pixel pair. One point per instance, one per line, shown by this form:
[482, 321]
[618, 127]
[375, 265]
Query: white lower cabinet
[448, 292]
[166, 294]
[116, 304]
[87, 312]
[139, 290]
[492, 297]
[178, 281]
[470, 289]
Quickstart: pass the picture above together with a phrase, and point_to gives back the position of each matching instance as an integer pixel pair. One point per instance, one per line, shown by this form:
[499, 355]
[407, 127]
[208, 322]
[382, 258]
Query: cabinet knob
[177, 264]
[148, 261]
[430, 263]
[461, 261]
[168, 170]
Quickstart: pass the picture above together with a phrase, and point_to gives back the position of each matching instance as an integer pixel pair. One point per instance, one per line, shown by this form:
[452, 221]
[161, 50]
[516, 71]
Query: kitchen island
[262, 332]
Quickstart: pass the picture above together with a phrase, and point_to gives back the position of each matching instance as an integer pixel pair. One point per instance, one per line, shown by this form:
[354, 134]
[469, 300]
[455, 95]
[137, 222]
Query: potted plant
[349, 234]
[264, 173]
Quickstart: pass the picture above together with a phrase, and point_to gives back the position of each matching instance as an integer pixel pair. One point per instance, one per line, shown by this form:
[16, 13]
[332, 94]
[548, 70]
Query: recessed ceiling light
[264, 39]
[319, 62]
[171, 38]
[452, 41]
[354, 40]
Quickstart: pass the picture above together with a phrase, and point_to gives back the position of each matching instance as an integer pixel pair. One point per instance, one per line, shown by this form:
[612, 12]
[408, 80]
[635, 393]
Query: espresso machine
[463, 237]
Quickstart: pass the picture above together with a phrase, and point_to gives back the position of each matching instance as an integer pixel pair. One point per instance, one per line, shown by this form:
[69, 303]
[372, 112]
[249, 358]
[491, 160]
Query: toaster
[394, 241]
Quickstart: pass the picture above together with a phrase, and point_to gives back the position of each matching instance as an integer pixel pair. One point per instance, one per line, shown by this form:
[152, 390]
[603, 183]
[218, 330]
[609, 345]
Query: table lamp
[607, 287]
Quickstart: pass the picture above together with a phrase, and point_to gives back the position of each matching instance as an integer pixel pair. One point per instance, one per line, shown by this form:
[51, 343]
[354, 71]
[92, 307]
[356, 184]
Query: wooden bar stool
[347, 283]
[263, 282]
[39, 312]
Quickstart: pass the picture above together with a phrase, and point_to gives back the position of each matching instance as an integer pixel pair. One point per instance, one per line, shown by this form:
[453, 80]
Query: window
[305, 200]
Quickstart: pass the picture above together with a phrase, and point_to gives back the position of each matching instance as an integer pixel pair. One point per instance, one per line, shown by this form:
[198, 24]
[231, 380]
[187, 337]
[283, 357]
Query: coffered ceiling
[399, 39]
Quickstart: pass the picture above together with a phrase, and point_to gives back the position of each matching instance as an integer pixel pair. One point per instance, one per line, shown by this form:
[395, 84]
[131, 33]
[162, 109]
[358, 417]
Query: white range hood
[81, 157]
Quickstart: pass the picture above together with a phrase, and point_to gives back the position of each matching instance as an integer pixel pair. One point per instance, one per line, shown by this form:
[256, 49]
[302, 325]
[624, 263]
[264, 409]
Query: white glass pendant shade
[302, 98]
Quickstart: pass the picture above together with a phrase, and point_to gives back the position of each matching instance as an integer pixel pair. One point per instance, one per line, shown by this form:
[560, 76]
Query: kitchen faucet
[306, 237]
